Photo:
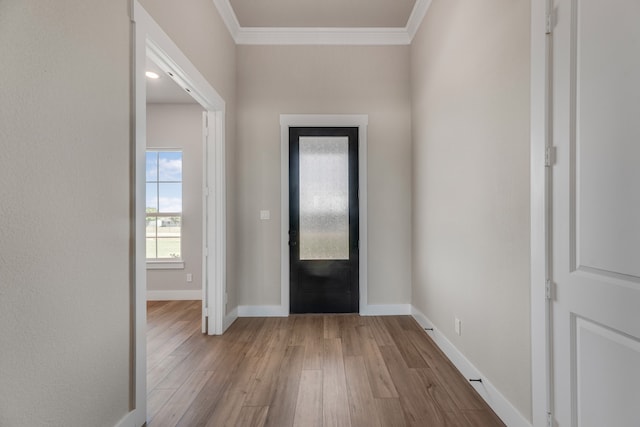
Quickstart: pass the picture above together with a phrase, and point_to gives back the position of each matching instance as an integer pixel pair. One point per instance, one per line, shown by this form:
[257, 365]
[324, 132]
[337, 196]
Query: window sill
[165, 265]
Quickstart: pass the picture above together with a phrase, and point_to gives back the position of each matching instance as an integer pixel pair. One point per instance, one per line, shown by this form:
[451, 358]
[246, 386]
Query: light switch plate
[265, 215]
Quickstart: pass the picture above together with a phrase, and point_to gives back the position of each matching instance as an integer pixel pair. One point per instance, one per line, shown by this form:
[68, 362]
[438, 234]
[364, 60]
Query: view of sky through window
[164, 204]
[164, 181]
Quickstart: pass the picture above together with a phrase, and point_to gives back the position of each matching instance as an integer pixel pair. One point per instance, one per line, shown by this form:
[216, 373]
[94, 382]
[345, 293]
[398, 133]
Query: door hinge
[206, 191]
[548, 289]
[549, 156]
[205, 251]
[206, 311]
[549, 419]
[549, 23]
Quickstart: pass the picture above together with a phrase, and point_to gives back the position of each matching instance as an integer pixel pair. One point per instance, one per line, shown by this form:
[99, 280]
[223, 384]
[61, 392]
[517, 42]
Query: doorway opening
[174, 211]
[151, 43]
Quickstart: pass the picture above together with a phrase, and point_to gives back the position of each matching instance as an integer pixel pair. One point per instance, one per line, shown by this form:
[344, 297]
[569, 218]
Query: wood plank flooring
[303, 371]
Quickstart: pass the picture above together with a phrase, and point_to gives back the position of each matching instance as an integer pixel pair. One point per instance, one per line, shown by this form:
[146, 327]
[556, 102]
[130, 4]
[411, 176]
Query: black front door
[323, 225]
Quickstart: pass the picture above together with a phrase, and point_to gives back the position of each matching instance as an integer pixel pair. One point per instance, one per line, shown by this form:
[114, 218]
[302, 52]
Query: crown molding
[322, 36]
[229, 17]
[417, 16]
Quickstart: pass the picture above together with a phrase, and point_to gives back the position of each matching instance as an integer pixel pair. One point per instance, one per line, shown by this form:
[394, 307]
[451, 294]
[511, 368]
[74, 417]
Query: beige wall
[64, 209]
[197, 29]
[180, 126]
[470, 86]
[65, 230]
[64, 168]
[274, 80]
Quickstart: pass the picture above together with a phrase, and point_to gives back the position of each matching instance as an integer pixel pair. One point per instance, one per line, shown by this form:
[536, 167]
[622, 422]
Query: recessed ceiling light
[151, 75]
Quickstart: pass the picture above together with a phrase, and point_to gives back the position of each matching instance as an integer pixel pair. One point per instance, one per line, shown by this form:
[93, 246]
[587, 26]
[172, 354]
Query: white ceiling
[164, 90]
[341, 22]
[323, 13]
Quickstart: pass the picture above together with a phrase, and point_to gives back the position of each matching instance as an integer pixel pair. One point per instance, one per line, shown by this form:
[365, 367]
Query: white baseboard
[229, 319]
[262, 311]
[184, 295]
[386, 310]
[129, 420]
[280, 311]
[500, 405]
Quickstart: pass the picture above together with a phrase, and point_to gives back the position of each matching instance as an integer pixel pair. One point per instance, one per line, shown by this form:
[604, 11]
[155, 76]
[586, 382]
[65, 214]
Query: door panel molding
[321, 120]
[603, 85]
[609, 356]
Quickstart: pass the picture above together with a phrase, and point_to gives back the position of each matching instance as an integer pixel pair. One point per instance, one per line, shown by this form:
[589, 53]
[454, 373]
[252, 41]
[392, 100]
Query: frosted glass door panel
[324, 198]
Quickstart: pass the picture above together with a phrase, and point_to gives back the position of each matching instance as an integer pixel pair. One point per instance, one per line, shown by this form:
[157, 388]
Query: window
[164, 205]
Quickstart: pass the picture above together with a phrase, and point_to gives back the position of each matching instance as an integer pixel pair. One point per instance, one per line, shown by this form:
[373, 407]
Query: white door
[595, 252]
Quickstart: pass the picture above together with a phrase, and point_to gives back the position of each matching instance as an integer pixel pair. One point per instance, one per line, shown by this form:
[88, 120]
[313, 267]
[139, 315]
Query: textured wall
[274, 80]
[197, 29]
[470, 87]
[64, 212]
[180, 126]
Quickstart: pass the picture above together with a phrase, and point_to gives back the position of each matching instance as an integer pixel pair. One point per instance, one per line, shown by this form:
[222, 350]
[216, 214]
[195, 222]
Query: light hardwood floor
[315, 370]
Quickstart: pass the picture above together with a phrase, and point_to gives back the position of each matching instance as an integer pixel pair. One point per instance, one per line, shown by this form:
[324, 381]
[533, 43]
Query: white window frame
[167, 263]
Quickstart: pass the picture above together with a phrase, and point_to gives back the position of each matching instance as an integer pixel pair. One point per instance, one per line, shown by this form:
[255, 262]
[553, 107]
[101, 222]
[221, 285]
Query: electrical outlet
[265, 215]
[458, 326]
[189, 277]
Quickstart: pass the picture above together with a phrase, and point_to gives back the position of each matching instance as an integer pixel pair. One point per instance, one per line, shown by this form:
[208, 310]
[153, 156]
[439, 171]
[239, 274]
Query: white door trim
[214, 260]
[540, 362]
[322, 120]
[150, 40]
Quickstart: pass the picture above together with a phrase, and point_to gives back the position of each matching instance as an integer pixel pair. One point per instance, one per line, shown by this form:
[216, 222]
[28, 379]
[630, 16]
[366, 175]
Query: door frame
[360, 121]
[150, 40]
[541, 40]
